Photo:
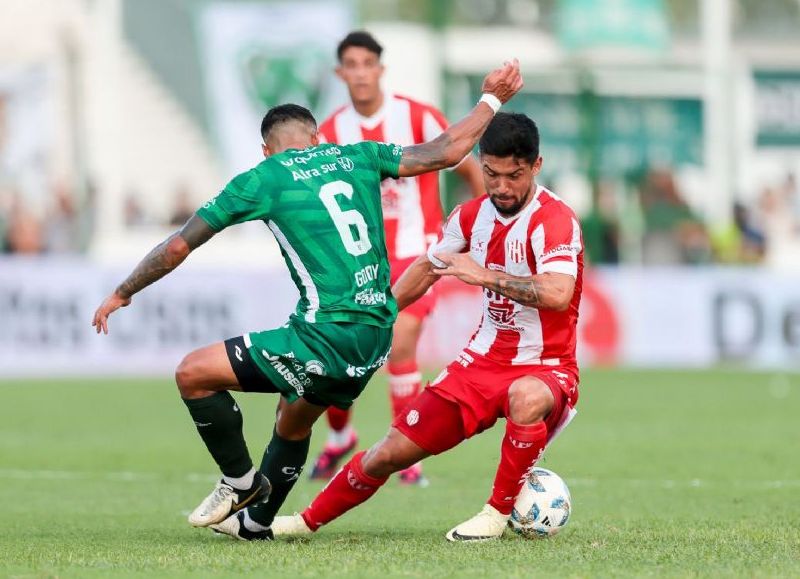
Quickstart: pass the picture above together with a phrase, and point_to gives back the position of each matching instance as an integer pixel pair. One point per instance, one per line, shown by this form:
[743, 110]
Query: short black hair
[511, 134]
[283, 113]
[360, 38]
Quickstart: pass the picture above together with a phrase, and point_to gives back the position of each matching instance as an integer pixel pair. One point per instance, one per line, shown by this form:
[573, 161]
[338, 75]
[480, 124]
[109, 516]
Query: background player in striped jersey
[412, 215]
[322, 204]
[523, 246]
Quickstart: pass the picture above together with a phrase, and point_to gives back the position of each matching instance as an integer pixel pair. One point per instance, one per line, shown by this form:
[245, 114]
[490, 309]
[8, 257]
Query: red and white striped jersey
[544, 237]
[412, 211]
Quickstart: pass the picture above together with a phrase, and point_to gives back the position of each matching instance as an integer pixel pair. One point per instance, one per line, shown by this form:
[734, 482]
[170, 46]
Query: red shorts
[421, 308]
[471, 394]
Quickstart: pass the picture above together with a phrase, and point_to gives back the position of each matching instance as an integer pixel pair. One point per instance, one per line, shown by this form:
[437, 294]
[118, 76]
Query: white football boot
[225, 500]
[290, 526]
[487, 525]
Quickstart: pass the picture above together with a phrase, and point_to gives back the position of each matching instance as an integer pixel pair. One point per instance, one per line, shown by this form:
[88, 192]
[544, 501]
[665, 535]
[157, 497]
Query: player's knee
[529, 400]
[186, 376]
[382, 460]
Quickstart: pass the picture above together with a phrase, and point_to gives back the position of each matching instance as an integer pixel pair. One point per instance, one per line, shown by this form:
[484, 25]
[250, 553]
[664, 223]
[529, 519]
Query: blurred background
[672, 127]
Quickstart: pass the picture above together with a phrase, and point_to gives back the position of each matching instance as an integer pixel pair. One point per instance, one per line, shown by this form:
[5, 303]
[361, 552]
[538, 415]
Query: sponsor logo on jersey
[370, 297]
[502, 311]
[315, 367]
[309, 154]
[515, 249]
[398, 150]
[345, 163]
[478, 246]
[367, 274]
[563, 250]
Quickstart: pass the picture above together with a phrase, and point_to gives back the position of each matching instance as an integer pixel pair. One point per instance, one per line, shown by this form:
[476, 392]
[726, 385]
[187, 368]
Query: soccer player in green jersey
[323, 205]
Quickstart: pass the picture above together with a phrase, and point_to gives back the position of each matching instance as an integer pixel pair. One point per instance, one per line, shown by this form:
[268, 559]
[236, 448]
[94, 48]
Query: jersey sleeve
[556, 243]
[387, 158]
[241, 200]
[451, 239]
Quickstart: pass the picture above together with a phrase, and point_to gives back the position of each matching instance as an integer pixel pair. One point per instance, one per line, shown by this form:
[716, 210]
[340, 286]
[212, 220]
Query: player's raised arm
[458, 139]
[161, 260]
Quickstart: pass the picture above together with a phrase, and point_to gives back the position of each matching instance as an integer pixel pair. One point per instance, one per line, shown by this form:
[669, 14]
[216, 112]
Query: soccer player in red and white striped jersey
[412, 215]
[523, 246]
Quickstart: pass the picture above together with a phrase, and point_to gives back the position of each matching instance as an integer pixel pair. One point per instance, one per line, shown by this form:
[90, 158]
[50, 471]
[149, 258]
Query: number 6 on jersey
[344, 219]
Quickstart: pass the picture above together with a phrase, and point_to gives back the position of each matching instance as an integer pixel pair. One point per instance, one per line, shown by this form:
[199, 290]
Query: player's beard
[514, 208]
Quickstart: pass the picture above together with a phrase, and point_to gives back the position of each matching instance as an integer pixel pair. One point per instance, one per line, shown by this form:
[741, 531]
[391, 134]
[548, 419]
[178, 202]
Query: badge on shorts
[412, 418]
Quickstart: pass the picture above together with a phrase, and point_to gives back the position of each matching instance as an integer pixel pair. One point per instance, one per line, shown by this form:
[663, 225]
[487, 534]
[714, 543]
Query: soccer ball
[543, 505]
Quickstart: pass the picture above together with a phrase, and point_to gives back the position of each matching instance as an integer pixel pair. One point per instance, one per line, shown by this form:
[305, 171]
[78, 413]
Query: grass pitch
[671, 474]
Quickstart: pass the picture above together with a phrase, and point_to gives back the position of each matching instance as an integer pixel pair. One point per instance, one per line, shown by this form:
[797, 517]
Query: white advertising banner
[259, 55]
[638, 317]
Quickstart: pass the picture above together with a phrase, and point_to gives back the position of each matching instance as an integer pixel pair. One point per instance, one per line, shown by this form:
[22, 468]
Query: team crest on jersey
[345, 163]
[515, 249]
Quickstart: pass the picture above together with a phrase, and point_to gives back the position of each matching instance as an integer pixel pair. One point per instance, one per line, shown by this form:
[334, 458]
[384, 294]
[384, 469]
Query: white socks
[241, 483]
[338, 439]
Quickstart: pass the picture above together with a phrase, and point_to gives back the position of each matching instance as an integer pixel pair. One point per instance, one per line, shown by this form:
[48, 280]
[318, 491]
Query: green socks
[282, 464]
[219, 422]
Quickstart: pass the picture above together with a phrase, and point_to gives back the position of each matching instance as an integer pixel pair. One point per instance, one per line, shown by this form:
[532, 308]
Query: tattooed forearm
[166, 256]
[430, 156]
[523, 291]
[545, 291]
[161, 260]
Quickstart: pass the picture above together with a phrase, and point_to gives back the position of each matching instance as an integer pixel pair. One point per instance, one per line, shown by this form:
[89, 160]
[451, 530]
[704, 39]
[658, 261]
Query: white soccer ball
[543, 505]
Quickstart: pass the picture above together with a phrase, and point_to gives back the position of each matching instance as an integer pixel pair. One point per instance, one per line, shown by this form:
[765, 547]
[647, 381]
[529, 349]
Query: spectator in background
[183, 208]
[62, 233]
[601, 226]
[133, 213]
[24, 232]
[673, 234]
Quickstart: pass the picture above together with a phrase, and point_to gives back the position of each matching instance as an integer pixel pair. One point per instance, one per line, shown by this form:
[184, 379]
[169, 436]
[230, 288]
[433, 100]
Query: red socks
[404, 385]
[522, 445]
[338, 418]
[349, 488]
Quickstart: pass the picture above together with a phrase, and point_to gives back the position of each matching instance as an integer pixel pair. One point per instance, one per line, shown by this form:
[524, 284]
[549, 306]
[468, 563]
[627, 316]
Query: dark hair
[283, 113]
[360, 38]
[511, 134]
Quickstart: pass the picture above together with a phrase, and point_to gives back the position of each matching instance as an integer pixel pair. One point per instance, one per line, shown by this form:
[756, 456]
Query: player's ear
[537, 165]
[315, 139]
[339, 72]
[265, 150]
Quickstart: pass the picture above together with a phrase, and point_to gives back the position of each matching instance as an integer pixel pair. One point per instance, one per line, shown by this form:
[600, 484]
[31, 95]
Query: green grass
[671, 473]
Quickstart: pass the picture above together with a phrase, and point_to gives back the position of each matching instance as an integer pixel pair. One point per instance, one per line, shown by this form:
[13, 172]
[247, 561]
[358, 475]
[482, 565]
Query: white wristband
[492, 101]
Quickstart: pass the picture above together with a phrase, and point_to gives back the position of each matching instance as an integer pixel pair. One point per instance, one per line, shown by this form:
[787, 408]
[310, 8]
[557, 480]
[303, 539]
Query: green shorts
[328, 364]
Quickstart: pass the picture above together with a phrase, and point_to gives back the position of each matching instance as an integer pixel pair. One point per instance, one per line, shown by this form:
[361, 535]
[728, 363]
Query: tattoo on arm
[430, 156]
[166, 256]
[524, 291]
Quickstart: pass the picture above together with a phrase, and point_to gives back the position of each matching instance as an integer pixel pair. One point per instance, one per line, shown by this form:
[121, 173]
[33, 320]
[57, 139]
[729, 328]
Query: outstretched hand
[504, 82]
[110, 305]
[461, 266]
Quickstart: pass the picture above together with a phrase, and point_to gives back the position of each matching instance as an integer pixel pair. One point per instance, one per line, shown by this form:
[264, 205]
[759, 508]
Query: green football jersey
[323, 204]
